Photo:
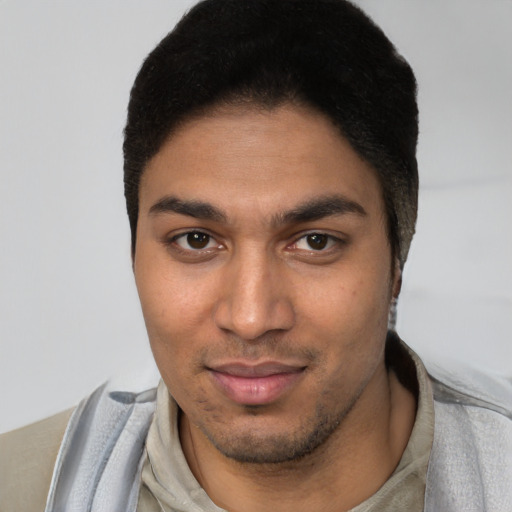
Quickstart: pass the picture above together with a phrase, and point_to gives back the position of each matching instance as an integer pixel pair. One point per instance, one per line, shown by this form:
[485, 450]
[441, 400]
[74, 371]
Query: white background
[69, 316]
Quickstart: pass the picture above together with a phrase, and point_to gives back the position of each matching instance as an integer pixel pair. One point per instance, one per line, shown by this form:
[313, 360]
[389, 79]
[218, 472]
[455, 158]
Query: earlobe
[397, 279]
[395, 292]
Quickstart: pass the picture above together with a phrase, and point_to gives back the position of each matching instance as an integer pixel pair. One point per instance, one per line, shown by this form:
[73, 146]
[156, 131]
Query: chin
[255, 444]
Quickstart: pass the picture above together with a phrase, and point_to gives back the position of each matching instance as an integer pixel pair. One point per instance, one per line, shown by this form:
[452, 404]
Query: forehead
[244, 158]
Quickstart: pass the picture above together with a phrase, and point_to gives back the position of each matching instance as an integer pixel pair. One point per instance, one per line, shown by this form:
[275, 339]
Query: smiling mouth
[255, 384]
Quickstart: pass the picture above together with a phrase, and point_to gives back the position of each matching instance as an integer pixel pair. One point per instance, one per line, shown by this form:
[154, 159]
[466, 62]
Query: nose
[254, 300]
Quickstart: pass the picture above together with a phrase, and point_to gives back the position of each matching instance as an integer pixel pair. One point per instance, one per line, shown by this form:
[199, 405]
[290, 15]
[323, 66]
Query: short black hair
[326, 54]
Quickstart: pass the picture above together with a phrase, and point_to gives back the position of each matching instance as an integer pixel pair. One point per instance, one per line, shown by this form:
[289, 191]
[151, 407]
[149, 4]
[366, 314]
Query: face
[264, 274]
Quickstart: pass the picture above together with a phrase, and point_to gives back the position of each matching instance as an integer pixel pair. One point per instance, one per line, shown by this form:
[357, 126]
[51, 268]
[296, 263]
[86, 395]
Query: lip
[258, 384]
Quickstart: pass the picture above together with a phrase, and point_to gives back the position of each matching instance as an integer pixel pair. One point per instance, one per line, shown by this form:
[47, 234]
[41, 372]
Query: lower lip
[255, 390]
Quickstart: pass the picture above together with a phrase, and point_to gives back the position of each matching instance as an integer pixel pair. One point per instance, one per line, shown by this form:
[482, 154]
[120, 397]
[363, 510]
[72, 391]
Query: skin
[261, 243]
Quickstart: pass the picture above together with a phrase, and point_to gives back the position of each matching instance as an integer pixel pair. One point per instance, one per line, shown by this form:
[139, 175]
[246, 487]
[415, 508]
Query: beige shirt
[27, 457]
[168, 484]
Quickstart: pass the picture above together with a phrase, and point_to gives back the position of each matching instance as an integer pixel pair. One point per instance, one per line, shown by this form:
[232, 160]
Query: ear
[397, 279]
[132, 255]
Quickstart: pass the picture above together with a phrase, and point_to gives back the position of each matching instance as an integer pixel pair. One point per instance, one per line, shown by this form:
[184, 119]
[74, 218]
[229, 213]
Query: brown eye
[317, 241]
[197, 240]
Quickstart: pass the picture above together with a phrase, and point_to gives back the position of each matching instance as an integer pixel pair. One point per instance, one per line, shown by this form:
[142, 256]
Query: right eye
[195, 241]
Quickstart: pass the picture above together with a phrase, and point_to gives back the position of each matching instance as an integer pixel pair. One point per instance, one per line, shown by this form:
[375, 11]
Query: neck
[347, 469]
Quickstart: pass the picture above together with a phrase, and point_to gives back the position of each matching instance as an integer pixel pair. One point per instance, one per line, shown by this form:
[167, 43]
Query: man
[271, 187]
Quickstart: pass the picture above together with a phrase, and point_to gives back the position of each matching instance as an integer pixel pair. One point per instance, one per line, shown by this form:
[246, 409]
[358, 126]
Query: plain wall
[69, 313]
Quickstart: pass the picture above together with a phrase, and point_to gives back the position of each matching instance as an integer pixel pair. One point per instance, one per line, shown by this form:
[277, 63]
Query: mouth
[258, 384]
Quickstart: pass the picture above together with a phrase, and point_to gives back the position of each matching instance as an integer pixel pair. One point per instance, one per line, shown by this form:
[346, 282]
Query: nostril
[250, 321]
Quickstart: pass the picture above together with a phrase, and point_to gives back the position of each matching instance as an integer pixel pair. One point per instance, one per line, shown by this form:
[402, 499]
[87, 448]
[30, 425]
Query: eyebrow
[196, 209]
[318, 208]
[313, 209]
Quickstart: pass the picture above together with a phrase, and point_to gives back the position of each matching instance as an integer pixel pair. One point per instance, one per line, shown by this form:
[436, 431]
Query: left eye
[195, 240]
[315, 242]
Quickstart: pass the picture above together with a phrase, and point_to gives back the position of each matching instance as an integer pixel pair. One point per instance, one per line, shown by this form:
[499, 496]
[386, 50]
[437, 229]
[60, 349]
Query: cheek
[347, 320]
[172, 299]
[359, 299]
[172, 311]
[171, 317]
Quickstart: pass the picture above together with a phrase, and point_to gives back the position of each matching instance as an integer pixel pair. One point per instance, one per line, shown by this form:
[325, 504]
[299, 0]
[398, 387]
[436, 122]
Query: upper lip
[266, 369]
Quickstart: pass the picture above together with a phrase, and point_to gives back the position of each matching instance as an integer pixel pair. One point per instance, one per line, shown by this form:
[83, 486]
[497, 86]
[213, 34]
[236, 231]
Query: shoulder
[473, 405]
[27, 459]
[470, 466]
[467, 386]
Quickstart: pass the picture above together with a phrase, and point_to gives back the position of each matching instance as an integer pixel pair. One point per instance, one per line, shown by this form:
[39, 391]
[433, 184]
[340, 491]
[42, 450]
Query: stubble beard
[275, 449]
[252, 447]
